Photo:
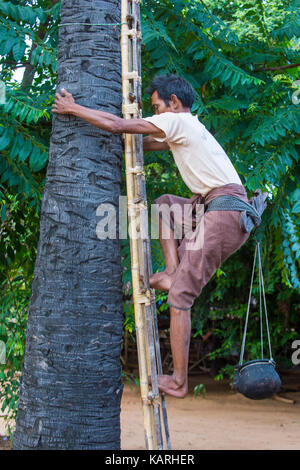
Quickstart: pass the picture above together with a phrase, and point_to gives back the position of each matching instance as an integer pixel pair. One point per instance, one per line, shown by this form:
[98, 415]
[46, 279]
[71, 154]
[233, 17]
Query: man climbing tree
[209, 173]
[71, 383]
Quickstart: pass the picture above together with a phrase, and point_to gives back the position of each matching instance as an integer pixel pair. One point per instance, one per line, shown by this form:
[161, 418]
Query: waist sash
[250, 213]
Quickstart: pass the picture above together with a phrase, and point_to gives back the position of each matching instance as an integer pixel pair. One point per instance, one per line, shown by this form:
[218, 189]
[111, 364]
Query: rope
[137, 205]
[91, 24]
[138, 170]
[144, 298]
[260, 308]
[151, 400]
[265, 305]
[248, 309]
[261, 294]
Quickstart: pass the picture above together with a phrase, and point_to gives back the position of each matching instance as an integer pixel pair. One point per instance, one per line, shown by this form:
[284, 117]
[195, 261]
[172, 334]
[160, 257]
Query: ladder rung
[130, 75]
[134, 32]
[138, 170]
[130, 108]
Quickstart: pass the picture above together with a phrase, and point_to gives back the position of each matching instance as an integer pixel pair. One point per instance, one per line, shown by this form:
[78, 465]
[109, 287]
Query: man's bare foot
[162, 280]
[167, 384]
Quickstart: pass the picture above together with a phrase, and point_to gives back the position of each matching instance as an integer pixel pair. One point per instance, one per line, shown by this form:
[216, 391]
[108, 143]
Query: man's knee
[177, 310]
[164, 199]
[179, 299]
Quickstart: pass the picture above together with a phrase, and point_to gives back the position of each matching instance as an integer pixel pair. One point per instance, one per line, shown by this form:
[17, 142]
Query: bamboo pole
[130, 165]
[143, 297]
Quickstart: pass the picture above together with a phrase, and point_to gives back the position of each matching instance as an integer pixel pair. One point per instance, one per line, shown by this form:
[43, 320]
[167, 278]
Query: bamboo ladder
[153, 403]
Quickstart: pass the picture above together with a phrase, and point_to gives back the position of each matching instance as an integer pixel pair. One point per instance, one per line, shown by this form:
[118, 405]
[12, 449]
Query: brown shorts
[204, 244]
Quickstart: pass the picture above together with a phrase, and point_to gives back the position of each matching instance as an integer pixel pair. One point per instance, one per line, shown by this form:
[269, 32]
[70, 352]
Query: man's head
[171, 93]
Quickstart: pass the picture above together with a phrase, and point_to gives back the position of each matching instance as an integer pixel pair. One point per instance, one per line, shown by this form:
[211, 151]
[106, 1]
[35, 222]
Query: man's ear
[175, 100]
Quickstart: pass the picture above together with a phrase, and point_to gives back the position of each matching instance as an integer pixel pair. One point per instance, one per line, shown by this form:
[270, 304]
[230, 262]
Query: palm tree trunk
[71, 382]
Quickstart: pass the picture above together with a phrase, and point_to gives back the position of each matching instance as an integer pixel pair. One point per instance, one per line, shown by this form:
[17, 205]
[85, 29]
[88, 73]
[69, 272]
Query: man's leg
[180, 333]
[163, 279]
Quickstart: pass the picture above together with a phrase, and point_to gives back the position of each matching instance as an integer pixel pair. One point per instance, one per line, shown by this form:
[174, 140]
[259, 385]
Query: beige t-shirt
[202, 162]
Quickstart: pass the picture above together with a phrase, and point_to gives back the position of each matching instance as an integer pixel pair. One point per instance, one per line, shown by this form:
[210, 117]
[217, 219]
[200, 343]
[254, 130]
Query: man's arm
[65, 104]
[149, 143]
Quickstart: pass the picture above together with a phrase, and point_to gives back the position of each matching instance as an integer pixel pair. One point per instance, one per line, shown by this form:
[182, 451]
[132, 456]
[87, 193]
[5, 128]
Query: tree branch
[30, 69]
[282, 67]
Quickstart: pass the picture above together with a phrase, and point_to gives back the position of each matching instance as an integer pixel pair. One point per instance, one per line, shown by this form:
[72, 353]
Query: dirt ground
[219, 421]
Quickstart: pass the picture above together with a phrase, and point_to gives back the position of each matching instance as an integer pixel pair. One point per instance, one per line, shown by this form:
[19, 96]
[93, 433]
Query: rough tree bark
[71, 382]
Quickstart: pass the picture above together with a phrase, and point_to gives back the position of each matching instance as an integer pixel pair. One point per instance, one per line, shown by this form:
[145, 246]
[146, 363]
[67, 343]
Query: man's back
[202, 162]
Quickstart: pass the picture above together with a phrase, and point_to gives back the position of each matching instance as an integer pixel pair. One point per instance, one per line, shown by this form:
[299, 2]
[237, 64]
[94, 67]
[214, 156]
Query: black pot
[257, 379]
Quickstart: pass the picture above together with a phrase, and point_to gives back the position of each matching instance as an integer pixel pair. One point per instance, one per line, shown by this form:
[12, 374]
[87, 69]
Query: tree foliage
[28, 34]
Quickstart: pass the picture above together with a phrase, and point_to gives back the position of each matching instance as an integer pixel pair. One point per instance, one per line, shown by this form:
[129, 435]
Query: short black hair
[167, 85]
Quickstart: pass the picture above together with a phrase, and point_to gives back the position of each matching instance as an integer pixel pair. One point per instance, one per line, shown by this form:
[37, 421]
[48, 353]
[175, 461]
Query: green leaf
[5, 140]
[19, 50]
[25, 150]
[7, 45]
[3, 213]
[34, 158]
[35, 56]
[296, 208]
